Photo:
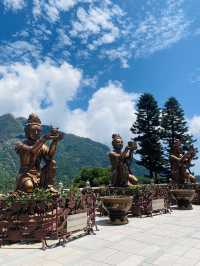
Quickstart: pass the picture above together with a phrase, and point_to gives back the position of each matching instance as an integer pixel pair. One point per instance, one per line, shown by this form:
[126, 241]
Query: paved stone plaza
[169, 239]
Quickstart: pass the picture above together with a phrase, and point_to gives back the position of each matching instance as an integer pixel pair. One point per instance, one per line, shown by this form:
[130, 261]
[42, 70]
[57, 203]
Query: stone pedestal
[184, 198]
[117, 208]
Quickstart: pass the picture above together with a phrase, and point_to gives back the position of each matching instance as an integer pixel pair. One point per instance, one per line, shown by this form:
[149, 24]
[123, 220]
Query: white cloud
[155, 27]
[20, 50]
[65, 4]
[111, 110]
[102, 26]
[24, 88]
[36, 8]
[160, 29]
[122, 54]
[96, 21]
[52, 8]
[194, 126]
[63, 37]
[14, 4]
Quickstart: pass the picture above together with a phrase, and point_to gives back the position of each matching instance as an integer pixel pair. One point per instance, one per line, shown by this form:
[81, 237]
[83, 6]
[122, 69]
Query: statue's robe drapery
[120, 172]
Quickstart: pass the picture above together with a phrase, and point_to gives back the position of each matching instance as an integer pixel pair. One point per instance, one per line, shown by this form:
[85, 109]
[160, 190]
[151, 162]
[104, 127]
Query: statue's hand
[54, 135]
[132, 145]
[47, 136]
[126, 149]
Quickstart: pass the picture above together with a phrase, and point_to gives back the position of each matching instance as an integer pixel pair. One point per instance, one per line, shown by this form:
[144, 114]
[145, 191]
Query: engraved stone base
[117, 208]
[184, 198]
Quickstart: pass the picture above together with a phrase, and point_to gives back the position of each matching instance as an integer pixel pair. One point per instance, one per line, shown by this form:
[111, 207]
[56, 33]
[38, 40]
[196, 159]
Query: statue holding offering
[121, 162]
[180, 163]
[37, 166]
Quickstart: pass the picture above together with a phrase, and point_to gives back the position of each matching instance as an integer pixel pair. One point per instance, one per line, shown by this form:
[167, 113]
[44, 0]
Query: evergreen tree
[147, 130]
[174, 126]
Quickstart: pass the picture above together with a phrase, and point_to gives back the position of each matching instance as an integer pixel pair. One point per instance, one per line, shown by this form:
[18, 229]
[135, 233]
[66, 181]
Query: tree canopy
[147, 133]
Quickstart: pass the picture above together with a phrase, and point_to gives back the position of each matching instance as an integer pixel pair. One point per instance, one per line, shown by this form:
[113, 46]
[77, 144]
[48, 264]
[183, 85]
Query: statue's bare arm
[114, 159]
[35, 148]
[175, 157]
[52, 149]
[55, 139]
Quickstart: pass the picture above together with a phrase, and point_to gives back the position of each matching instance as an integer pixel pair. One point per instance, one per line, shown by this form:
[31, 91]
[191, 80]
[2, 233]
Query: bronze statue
[121, 161]
[33, 152]
[180, 163]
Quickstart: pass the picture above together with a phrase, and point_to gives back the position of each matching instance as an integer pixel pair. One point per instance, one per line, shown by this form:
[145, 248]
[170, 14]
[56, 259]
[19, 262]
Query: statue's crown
[33, 119]
[116, 136]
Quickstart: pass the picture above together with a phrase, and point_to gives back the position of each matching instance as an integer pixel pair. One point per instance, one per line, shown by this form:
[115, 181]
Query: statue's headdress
[33, 119]
[116, 137]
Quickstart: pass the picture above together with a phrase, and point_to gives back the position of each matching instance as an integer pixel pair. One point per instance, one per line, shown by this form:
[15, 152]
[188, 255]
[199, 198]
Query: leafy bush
[96, 177]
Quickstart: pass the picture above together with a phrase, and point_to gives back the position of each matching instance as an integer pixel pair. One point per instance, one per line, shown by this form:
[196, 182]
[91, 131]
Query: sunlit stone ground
[169, 239]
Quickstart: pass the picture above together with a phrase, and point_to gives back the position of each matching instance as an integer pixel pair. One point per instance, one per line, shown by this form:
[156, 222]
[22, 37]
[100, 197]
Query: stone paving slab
[168, 239]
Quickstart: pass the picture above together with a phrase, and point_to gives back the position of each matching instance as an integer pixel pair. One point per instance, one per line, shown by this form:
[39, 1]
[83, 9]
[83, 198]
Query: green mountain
[73, 153]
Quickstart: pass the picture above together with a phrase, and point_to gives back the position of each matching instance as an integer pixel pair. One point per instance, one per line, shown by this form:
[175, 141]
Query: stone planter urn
[117, 208]
[183, 198]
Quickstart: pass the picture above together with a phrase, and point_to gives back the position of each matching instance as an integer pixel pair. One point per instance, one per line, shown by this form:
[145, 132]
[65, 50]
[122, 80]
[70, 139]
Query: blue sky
[81, 64]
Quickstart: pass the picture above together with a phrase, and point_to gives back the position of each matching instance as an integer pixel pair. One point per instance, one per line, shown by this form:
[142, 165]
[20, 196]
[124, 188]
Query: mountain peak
[9, 127]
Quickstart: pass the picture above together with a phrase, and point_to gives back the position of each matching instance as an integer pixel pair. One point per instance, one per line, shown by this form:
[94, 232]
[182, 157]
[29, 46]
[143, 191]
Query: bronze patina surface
[37, 166]
[181, 175]
[121, 161]
[180, 163]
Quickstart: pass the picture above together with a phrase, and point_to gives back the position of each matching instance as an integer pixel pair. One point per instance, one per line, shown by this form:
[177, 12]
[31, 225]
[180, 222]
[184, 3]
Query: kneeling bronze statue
[121, 160]
[181, 175]
[37, 166]
[180, 163]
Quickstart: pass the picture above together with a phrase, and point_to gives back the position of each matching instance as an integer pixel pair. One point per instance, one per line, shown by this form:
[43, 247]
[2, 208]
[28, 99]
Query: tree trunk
[156, 178]
[151, 173]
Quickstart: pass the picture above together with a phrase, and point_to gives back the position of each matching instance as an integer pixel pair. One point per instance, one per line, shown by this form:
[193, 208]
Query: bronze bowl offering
[117, 208]
[183, 198]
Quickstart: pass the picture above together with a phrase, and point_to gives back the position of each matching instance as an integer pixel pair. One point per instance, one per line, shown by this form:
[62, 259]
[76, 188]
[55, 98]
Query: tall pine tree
[174, 126]
[147, 131]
